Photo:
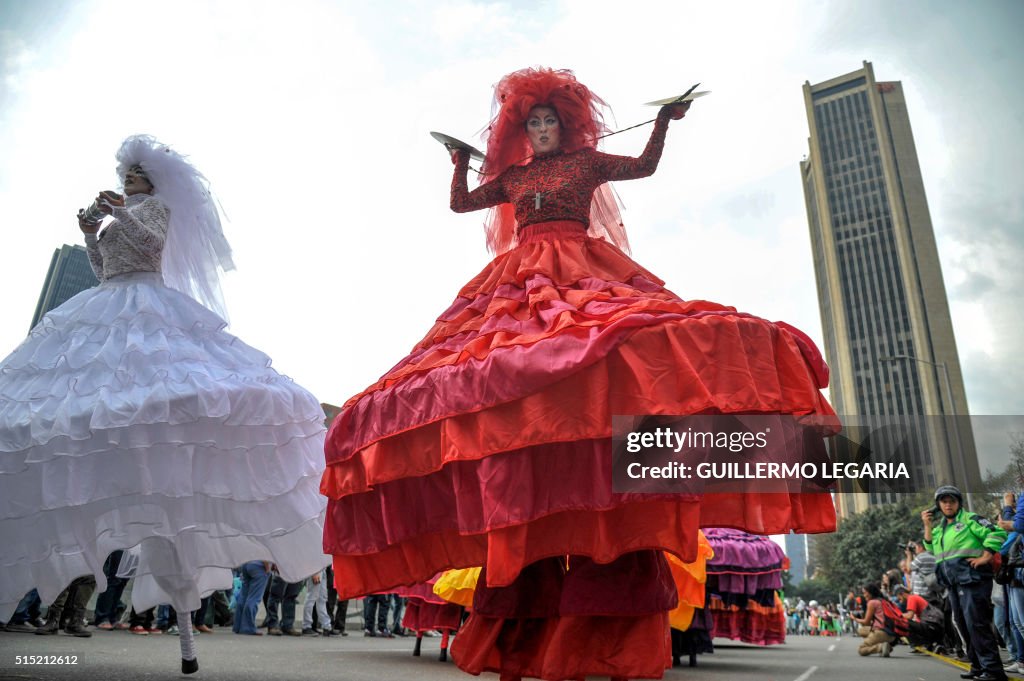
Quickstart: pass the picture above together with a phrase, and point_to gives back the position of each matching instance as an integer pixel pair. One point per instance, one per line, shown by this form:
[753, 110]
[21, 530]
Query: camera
[93, 215]
[909, 546]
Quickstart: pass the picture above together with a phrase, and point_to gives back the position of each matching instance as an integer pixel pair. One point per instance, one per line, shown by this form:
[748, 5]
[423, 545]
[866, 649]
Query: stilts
[189, 663]
[444, 645]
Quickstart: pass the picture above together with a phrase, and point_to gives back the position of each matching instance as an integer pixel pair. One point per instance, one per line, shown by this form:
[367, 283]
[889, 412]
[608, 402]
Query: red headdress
[582, 122]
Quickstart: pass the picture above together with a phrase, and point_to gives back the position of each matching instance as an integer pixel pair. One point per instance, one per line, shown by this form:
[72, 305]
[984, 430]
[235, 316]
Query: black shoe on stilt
[189, 666]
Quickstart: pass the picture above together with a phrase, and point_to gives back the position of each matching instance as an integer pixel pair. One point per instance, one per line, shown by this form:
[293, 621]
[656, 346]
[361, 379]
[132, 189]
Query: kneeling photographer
[925, 621]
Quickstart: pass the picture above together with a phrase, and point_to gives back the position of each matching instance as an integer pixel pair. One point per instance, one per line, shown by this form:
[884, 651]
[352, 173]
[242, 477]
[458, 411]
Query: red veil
[582, 123]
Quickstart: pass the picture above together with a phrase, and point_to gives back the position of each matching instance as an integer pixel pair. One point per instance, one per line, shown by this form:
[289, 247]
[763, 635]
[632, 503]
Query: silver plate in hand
[452, 143]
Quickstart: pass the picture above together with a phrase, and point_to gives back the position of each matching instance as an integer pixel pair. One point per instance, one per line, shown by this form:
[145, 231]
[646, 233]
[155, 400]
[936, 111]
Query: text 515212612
[45, 659]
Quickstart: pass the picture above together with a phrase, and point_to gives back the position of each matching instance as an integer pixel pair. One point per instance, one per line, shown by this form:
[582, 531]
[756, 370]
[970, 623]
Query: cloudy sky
[311, 120]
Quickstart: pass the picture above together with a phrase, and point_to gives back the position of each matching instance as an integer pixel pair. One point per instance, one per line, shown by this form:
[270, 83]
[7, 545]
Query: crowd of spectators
[256, 584]
[958, 591]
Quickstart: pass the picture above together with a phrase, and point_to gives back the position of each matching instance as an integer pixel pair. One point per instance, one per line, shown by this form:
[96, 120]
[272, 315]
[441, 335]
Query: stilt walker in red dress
[490, 443]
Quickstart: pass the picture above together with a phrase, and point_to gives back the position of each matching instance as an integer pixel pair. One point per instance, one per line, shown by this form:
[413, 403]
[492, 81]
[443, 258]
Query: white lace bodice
[133, 242]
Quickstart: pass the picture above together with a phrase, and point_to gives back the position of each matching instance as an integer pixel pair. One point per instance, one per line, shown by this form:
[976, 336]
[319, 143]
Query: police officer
[964, 545]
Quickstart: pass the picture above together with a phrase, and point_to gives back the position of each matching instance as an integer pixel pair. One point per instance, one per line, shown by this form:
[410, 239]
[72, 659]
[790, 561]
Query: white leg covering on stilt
[189, 663]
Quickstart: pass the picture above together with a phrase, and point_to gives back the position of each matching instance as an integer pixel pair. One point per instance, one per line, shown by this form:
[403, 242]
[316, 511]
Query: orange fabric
[690, 579]
[560, 335]
[627, 381]
[717, 605]
[565, 647]
[565, 261]
[755, 624]
[682, 617]
[769, 513]
[601, 535]
[457, 586]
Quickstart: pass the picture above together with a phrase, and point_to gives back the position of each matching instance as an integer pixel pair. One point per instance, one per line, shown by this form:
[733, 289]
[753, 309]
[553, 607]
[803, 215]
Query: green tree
[821, 550]
[868, 544]
[995, 483]
[816, 589]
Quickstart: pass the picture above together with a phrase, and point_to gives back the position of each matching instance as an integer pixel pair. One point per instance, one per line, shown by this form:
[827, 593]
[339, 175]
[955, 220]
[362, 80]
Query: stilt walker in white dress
[129, 417]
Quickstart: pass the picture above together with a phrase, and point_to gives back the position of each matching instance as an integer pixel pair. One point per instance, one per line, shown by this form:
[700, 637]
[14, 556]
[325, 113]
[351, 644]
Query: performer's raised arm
[485, 196]
[628, 168]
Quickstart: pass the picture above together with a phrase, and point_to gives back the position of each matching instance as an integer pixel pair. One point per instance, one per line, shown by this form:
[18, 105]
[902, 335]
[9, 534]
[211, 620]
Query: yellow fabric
[457, 586]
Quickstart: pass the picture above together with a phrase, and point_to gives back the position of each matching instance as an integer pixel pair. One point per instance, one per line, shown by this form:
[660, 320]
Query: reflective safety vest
[965, 536]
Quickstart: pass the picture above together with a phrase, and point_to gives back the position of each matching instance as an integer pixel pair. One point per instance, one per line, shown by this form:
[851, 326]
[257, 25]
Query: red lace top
[556, 186]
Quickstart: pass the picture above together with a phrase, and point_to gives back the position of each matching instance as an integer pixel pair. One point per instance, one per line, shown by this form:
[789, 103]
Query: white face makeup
[136, 183]
[543, 129]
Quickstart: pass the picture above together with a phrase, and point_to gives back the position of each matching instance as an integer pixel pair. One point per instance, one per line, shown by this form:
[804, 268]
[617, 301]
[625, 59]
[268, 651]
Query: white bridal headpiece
[195, 250]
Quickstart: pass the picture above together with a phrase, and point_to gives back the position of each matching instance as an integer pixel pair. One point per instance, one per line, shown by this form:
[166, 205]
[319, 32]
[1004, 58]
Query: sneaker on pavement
[308, 631]
[368, 632]
[273, 631]
[22, 627]
[886, 649]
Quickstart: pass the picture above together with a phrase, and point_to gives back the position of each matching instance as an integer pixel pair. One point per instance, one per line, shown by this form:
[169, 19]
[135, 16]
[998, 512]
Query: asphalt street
[121, 656]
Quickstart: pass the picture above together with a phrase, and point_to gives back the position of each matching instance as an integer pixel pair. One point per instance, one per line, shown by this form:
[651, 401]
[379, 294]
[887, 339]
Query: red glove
[676, 111]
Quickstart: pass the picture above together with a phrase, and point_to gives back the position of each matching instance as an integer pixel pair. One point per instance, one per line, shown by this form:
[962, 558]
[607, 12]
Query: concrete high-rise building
[70, 273]
[888, 335]
[796, 551]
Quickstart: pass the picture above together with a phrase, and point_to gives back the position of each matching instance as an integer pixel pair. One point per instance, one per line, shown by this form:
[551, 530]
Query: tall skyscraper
[796, 551]
[69, 275]
[888, 335]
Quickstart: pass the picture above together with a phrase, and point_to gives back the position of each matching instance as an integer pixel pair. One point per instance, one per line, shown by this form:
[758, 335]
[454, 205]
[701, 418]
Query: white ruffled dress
[130, 417]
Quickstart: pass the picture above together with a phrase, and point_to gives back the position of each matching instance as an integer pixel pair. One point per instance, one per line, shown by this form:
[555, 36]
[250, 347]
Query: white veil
[195, 249]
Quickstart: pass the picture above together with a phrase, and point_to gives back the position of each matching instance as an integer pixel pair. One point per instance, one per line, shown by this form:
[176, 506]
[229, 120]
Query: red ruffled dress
[490, 443]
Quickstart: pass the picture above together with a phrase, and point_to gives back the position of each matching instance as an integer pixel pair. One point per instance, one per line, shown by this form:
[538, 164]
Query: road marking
[948, 660]
[832, 647]
[806, 675]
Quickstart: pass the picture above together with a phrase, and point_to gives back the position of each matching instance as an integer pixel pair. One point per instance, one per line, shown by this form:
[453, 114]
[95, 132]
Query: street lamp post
[952, 406]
